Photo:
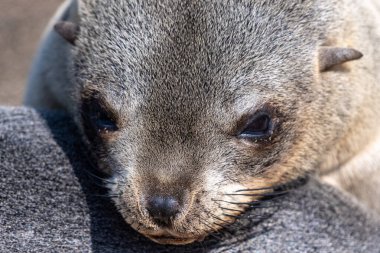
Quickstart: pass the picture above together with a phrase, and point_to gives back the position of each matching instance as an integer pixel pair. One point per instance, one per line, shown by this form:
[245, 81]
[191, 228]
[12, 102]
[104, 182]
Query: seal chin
[173, 240]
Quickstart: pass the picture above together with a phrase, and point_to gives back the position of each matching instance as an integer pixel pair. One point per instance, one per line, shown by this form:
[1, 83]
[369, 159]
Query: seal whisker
[269, 194]
[101, 184]
[231, 209]
[259, 206]
[220, 225]
[249, 203]
[259, 217]
[256, 189]
[216, 217]
[209, 226]
[227, 223]
[97, 177]
[204, 231]
[232, 202]
[225, 229]
[230, 215]
[91, 163]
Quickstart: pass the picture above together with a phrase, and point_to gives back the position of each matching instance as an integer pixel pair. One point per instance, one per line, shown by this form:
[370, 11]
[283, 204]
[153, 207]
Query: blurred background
[22, 23]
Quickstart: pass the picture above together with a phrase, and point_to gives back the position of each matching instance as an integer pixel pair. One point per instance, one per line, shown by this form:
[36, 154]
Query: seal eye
[259, 127]
[102, 122]
[97, 119]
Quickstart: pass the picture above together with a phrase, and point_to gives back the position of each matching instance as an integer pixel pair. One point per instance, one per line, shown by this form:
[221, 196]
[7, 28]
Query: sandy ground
[21, 25]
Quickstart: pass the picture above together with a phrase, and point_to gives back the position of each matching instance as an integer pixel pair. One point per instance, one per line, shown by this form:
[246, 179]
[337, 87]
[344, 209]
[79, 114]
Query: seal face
[193, 110]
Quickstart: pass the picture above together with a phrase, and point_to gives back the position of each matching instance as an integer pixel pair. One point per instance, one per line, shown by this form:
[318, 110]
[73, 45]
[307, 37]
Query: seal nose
[163, 209]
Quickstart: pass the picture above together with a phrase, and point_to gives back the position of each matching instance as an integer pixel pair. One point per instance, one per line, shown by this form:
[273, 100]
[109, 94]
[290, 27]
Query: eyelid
[94, 99]
[255, 117]
[247, 118]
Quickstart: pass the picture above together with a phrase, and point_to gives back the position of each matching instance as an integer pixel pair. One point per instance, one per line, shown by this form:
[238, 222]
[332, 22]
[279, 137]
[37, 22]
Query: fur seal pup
[196, 109]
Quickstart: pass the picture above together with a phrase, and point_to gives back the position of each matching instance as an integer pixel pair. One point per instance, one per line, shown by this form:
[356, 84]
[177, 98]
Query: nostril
[163, 208]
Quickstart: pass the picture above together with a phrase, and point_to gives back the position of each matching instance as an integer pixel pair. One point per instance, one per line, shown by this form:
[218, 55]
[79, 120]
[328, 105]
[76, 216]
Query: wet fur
[181, 75]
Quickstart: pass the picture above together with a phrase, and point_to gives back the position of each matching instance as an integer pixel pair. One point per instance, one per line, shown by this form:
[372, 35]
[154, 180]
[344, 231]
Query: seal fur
[179, 76]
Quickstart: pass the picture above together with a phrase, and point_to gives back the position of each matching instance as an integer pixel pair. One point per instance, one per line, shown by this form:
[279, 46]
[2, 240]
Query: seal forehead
[193, 49]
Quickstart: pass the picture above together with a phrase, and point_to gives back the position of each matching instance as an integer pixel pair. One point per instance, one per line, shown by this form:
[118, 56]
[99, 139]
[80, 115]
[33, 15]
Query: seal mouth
[171, 240]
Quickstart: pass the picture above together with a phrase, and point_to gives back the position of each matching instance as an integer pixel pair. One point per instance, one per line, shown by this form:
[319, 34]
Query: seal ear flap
[332, 56]
[68, 30]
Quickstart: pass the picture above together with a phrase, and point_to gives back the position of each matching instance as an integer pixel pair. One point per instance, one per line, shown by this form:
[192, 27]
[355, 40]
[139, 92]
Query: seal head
[196, 109]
